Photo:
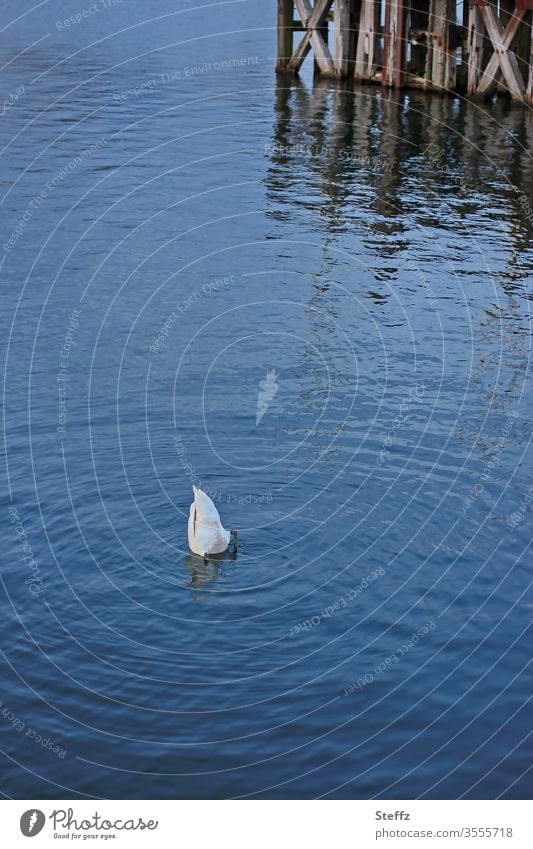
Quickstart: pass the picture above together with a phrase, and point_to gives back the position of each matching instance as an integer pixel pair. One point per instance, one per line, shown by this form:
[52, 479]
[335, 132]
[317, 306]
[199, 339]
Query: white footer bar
[268, 824]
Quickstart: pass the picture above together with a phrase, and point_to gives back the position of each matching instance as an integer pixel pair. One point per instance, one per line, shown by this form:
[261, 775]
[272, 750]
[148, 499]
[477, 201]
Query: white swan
[206, 534]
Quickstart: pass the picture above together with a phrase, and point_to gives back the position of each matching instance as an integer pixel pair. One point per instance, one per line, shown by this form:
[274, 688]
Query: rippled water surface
[311, 301]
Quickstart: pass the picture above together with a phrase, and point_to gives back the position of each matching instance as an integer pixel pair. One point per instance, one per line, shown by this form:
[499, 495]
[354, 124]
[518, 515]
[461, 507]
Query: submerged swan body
[206, 534]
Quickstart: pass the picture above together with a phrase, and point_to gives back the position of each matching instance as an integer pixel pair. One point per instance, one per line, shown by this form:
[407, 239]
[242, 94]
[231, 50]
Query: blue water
[311, 301]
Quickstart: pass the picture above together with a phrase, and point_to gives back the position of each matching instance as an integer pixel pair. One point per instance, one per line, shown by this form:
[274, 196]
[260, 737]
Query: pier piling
[413, 43]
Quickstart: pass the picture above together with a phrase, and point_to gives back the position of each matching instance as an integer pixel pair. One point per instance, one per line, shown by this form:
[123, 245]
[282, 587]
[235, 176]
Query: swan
[205, 531]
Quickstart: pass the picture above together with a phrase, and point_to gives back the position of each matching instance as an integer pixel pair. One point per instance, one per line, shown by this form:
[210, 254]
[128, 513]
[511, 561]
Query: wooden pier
[413, 43]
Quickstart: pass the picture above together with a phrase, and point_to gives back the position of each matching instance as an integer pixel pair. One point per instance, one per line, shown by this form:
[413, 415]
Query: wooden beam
[343, 54]
[503, 56]
[394, 43]
[529, 90]
[401, 42]
[314, 18]
[441, 68]
[323, 31]
[285, 33]
[522, 45]
[475, 48]
[365, 57]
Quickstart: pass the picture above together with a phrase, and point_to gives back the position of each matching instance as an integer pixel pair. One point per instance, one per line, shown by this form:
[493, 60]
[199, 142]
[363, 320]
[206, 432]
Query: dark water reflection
[361, 261]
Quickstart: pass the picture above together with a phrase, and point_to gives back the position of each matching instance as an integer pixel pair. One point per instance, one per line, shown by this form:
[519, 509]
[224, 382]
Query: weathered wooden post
[366, 58]
[344, 43]
[524, 48]
[394, 43]
[440, 62]
[474, 47]
[285, 34]
[523, 42]
[319, 65]
[529, 91]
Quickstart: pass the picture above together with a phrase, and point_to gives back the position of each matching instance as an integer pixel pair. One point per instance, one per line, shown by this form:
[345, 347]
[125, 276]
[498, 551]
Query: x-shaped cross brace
[313, 18]
[503, 57]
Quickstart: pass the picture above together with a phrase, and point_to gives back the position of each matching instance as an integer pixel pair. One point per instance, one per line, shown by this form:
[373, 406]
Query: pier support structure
[413, 43]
